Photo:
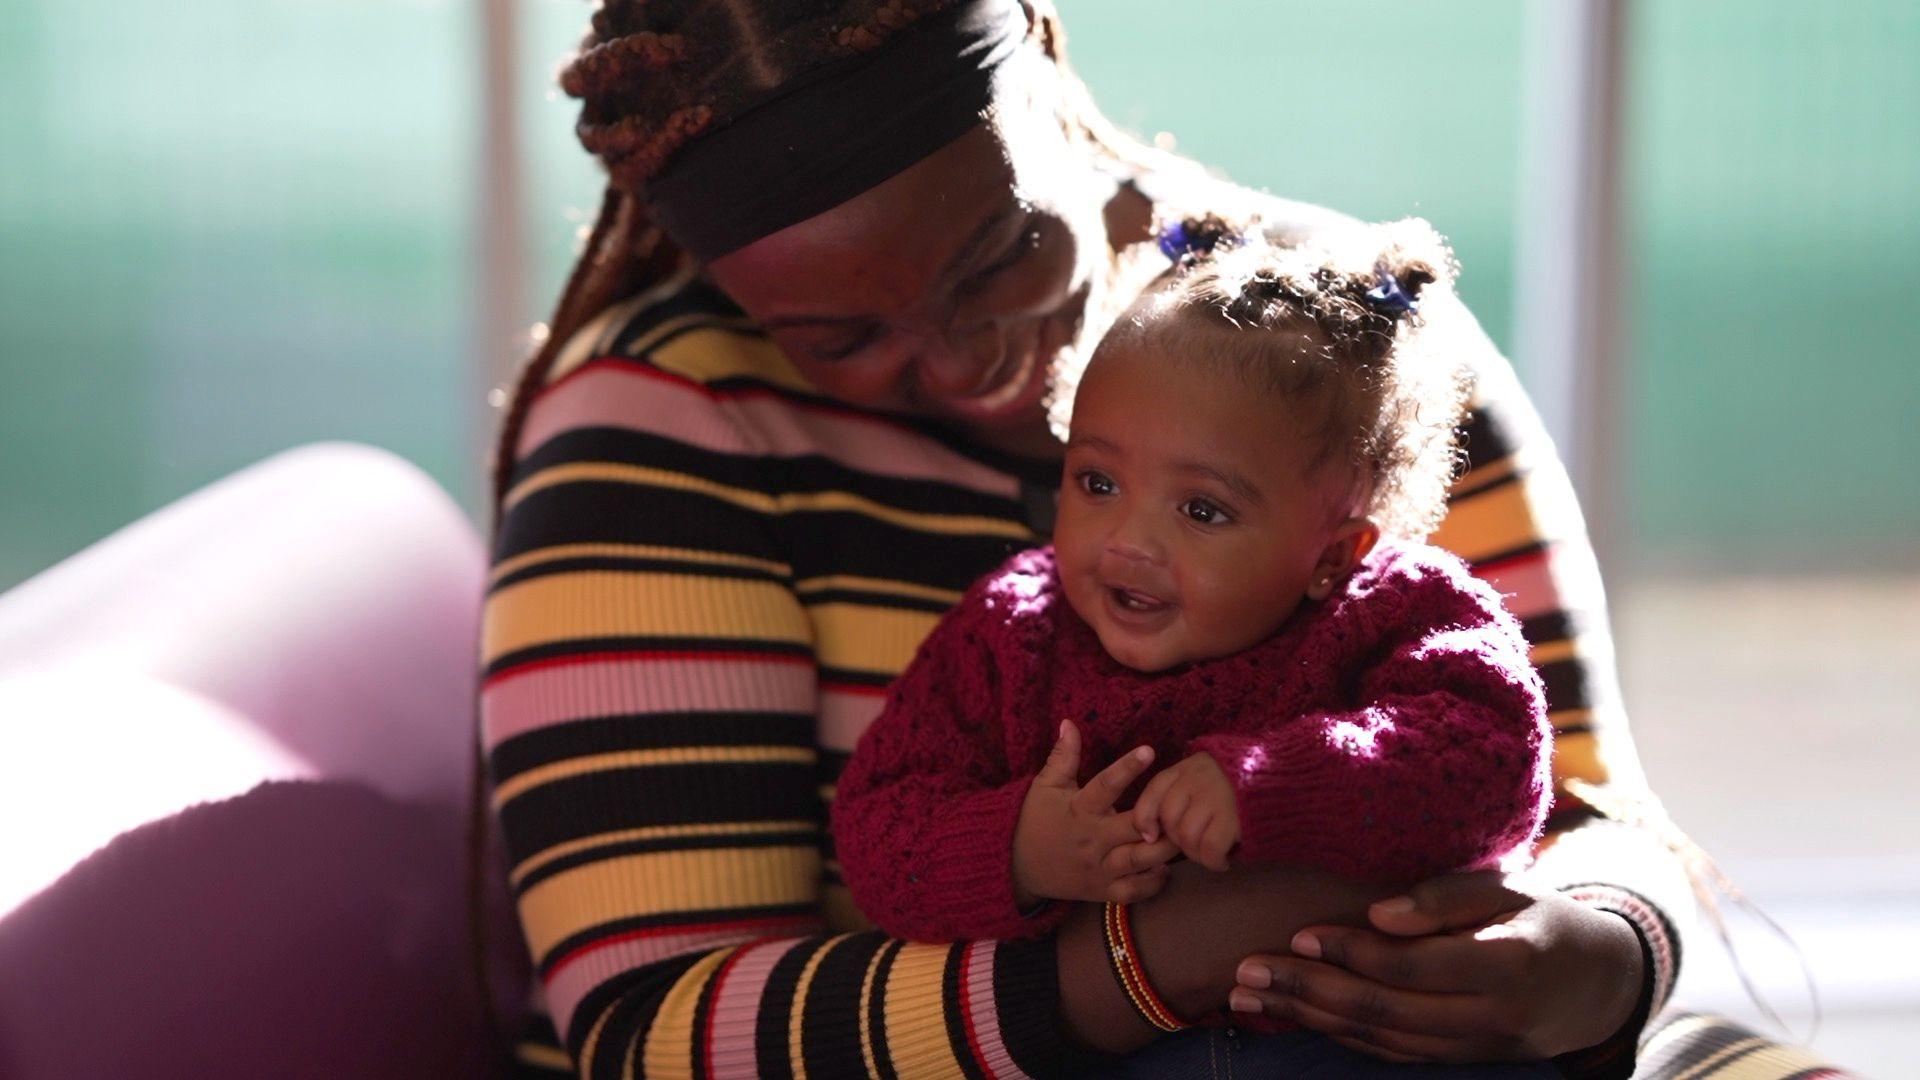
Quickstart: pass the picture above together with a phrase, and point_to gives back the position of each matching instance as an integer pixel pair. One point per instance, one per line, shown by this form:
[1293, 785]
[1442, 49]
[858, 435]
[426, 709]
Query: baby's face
[1190, 522]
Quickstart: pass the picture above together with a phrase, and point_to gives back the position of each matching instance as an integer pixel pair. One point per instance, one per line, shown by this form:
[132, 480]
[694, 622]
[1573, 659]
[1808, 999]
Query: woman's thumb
[1453, 902]
[1063, 763]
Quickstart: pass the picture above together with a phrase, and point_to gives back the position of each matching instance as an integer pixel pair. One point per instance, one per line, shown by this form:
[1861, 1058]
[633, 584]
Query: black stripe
[647, 731]
[865, 598]
[851, 677]
[1555, 626]
[832, 764]
[807, 838]
[1564, 817]
[697, 297]
[1486, 437]
[631, 1000]
[627, 564]
[604, 512]
[1567, 683]
[950, 1011]
[877, 1013]
[592, 803]
[830, 1021]
[771, 1029]
[602, 646]
[1581, 728]
[573, 942]
[1462, 492]
[760, 473]
[1529, 548]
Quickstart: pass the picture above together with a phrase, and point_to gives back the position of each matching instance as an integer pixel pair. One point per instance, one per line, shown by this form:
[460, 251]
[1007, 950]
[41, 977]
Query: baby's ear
[1352, 540]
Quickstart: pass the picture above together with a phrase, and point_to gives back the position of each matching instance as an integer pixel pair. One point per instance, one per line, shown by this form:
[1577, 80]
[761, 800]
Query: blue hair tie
[1182, 243]
[1388, 297]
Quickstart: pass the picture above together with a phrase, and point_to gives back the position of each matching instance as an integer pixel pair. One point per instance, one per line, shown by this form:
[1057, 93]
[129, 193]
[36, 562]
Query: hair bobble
[1388, 297]
[1190, 239]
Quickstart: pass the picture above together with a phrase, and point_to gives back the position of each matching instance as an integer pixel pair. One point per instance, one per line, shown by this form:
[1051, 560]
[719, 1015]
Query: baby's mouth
[1136, 601]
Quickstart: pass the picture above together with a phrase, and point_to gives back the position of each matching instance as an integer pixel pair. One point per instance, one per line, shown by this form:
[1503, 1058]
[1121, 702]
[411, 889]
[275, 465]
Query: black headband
[836, 131]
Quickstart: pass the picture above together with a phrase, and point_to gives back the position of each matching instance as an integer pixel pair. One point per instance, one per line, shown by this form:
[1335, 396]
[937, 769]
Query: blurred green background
[227, 228]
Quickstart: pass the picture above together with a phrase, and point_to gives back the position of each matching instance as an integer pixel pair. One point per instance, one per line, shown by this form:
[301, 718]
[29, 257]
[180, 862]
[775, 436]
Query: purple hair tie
[1182, 243]
[1388, 297]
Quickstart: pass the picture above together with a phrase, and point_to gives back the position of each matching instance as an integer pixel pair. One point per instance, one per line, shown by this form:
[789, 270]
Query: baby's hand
[1193, 805]
[1070, 843]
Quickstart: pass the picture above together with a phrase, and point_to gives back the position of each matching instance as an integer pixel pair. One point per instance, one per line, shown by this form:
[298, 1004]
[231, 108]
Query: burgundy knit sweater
[1393, 732]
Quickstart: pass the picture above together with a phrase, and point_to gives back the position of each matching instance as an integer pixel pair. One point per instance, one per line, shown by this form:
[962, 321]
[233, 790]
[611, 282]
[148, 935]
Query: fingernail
[1063, 729]
[1145, 753]
[1254, 975]
[1242, 1001]
[1306, 945]
[1399, 905]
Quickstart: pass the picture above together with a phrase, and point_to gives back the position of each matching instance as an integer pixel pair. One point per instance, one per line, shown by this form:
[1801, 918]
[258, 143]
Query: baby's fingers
[1137, 887]
[1100, 793]
[1146, 812]
[1133, 858]
[1062, 769]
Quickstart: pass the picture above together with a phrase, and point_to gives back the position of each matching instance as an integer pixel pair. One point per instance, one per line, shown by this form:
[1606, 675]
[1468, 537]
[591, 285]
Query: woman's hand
[1463, 968]
[1070, 843]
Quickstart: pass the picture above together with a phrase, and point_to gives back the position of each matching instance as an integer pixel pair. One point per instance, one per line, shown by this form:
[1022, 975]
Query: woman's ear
[1352, 540]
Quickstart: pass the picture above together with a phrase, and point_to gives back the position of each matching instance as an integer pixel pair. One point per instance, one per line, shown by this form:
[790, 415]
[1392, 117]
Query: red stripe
[1482, 569]
[641, 654]
[966, 1013]
[861, 689]
[633, 366]
[770, 922]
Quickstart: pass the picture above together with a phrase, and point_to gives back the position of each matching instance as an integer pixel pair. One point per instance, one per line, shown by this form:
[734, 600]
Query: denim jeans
[1217, 1054]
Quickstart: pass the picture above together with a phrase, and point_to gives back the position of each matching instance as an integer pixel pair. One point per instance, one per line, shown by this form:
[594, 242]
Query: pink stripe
[1528, 586]
[735, 1015]
[645, 399]
[994, 1057]
[547, 696]
[844, 717]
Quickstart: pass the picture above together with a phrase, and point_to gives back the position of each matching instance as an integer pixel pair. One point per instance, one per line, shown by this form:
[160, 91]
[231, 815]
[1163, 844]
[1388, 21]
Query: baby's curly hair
[1332, 322]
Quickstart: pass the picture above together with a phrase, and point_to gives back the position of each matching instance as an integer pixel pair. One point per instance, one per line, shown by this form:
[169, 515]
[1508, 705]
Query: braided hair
[651, 75]
[1334, 322]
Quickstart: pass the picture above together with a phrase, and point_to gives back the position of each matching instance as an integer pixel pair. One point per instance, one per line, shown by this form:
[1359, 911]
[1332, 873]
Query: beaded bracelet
[1118, 925]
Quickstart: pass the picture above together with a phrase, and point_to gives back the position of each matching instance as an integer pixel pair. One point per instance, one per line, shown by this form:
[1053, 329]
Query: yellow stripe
[1673, 1032]
[916, 1017]
[711, 355]
[653, 832]
[1467, 485]
[657, 883]
[1718, 1057]
[783, 503]
[590, 340]
[544, 610]
[877, 585]
[1576, 757]
[520, 783]
[860, 637]
[1770, 1063]
[1506, 518]
[1548, 652]
[634, 551]
[796, 1054]
[865, 1007]
[591, 1046]
[669, 1039]
[543, 1056]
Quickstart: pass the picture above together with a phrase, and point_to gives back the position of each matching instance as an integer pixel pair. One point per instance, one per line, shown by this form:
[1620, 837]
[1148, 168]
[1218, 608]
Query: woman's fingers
[1137, 887]
[1452, 902]
[1101, 792]
[1441, 964]
[1362, 1003]
[1062, 768]
[1368, 1039]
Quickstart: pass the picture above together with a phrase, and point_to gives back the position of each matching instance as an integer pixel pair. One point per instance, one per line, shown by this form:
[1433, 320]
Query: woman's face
[947, 291]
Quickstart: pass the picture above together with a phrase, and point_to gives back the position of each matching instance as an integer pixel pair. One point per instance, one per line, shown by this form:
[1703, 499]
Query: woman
[793, 401]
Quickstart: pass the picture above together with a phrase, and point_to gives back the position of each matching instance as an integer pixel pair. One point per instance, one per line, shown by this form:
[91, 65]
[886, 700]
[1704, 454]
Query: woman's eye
[1204, 512]
[1095, 483]
[1022, 247]
[845, 347]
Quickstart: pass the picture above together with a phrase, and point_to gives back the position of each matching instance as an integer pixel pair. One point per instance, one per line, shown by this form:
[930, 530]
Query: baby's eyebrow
[1094, 442]
[1233, 481]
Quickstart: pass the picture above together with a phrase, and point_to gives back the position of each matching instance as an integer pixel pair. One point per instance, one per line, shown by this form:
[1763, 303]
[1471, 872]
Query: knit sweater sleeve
[649, 706]
[1440, 763]
[924, 818]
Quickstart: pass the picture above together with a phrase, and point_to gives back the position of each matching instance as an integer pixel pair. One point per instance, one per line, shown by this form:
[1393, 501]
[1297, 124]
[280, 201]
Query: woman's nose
[956, 362]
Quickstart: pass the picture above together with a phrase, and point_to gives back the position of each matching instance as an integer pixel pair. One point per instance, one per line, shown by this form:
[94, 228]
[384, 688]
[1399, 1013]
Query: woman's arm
[649, 711]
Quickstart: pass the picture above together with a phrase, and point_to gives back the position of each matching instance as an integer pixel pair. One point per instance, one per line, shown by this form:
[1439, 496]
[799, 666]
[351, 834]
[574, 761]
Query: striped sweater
[705, 576]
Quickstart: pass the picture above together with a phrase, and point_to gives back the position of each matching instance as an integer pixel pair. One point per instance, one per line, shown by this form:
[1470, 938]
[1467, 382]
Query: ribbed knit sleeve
[1440, 764]
[925, 815]
[652, 711]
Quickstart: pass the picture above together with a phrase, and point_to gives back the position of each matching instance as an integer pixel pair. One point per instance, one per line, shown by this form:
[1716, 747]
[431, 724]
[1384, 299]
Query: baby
[1235, 607]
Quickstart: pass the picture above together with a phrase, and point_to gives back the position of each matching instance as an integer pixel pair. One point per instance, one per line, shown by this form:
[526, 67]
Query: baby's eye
[1205, 512]
[1094, 482]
